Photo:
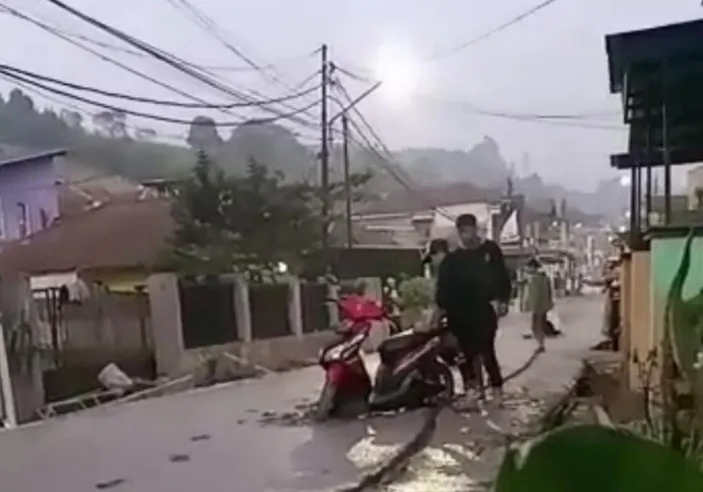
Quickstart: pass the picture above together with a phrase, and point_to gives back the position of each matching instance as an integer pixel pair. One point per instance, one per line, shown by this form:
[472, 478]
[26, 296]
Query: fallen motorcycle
[412, 371]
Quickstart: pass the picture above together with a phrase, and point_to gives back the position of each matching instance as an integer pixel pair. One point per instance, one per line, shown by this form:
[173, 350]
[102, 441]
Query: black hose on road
[421, 440]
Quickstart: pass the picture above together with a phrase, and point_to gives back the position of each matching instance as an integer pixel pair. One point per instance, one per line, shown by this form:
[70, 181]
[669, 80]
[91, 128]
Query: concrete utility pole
[347, 184]
[324, 161]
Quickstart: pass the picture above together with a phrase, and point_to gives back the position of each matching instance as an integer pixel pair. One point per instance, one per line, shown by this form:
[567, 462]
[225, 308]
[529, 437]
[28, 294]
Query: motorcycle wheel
[442, 385]
[445, 377]
[325, 402]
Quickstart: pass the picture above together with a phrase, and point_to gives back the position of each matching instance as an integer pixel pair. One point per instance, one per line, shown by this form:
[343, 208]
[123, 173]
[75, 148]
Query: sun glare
[398, 72]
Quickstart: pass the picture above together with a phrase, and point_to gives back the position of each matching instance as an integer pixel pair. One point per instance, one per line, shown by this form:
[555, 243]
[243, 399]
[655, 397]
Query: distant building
[29, 200]
[116, 243]
[39, 187]
[410, 218]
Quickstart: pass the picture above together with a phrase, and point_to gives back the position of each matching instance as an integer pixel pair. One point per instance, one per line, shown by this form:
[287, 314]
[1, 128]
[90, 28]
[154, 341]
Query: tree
[199, 210]
[252, 222]
[203, 134]
[268, 143]
[72, 118]
[112, 124]
[20, 103]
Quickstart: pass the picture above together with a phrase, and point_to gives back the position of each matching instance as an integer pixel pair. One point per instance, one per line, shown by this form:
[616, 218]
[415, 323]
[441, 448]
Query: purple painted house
[29, 195]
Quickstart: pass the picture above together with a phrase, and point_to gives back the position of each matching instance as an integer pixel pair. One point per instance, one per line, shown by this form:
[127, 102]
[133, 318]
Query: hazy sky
[552, 62]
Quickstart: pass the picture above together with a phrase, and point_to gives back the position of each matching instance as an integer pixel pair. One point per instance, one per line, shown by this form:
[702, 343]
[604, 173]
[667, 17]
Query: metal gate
[269, 305]
[316, 315]
[207, 311]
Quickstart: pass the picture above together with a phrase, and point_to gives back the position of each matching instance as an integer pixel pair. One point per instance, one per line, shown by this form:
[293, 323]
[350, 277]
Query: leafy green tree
[227, 223]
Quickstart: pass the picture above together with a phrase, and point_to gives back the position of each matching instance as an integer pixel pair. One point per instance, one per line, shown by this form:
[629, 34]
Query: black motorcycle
[413, 371]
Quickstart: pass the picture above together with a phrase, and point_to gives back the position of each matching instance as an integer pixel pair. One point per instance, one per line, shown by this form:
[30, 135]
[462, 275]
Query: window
[22, 219]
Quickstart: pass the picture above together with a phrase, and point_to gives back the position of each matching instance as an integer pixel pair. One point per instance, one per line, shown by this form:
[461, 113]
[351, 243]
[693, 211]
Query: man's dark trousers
[475, 330]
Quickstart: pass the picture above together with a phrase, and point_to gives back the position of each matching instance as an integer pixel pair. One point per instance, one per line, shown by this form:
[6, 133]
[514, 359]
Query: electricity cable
[491, 32]
[165, 119]
[148, 100]
[171, 60]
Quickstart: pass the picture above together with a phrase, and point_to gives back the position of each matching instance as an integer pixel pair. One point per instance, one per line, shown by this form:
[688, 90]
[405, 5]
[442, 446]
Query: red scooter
[346, 378]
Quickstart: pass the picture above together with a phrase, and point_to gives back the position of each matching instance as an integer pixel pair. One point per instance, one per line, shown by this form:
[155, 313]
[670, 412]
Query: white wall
[404, 232]
[443, 224]
[694, 180]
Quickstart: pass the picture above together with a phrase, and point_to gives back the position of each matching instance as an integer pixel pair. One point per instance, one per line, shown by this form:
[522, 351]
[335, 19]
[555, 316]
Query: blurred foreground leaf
[592, 458]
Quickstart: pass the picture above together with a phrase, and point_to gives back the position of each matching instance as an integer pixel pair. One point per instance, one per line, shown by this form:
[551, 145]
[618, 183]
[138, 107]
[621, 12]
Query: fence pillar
[167, 328]
[242, 309]
[333, 293]
[295, 307]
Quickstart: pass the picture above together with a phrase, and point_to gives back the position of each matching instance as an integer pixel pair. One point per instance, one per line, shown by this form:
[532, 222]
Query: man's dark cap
[466, 220]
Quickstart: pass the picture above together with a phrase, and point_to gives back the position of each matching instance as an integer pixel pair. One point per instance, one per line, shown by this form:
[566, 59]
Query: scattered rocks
[110, 484]
[200, 437]
[302, 414]
[179, 458]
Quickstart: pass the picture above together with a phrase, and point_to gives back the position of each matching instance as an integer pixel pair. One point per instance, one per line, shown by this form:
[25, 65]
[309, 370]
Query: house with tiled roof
[116, 243]
[411, 217]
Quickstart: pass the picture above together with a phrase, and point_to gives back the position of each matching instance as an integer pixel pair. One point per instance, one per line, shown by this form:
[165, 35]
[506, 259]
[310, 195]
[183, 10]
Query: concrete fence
[271, 333]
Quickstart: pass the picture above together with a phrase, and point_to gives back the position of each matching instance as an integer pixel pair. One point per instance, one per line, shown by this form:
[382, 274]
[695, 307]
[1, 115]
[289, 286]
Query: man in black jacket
[473, 290]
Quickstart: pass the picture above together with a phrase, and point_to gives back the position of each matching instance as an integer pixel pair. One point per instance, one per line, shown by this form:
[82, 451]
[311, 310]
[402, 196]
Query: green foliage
[228, 223]
[416, 293]
[588, 457]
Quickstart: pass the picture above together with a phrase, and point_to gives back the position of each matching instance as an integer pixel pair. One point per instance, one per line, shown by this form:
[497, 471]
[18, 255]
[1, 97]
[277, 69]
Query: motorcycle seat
[403, 341]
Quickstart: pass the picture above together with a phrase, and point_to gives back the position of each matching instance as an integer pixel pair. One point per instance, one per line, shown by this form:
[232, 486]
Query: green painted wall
[665, 258]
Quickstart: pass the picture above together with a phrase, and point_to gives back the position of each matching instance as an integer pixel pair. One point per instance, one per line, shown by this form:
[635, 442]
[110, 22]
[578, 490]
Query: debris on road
[111, 377]
[110, 484]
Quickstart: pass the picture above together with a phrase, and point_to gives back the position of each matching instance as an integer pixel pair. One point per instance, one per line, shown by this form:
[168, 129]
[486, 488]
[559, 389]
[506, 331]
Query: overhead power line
[112, 61]
[148, 100]
[103, 57]
[83, 111]
[174, 62]
[385, 157]
[150, 116]
[220, 67]
[575, 120]
[389, 168]
[492, 32]
[209, 25]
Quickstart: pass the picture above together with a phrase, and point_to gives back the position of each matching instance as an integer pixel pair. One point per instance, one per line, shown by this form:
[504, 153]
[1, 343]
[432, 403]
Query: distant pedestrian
[391, 301]
[539, 302]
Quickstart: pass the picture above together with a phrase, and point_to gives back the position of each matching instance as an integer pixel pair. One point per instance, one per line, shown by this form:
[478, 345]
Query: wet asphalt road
[246, 436]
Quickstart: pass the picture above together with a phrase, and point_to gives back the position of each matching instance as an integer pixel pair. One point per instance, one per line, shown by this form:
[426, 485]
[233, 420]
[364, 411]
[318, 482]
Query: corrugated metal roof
[10, 155]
